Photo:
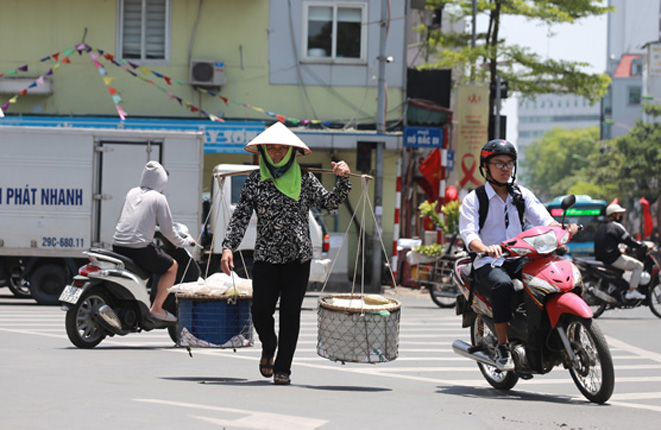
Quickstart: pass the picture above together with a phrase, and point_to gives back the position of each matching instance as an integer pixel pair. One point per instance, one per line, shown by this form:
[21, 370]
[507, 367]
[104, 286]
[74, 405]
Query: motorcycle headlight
[543, 243]
[565, 238]
[521, 251]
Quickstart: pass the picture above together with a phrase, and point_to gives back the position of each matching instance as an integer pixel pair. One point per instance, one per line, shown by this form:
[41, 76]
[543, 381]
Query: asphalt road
[142, 381]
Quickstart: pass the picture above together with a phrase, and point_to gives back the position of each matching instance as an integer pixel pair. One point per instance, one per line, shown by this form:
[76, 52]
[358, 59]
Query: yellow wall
[232, 31]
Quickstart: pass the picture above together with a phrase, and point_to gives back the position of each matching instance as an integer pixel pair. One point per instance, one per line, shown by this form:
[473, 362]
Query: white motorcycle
[111, 295]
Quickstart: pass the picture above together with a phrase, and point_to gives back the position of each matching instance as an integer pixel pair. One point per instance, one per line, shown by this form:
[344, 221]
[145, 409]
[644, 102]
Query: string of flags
[98, 56]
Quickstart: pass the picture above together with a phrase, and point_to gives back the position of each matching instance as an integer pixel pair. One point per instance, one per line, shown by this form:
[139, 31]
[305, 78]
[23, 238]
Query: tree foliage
[526, 72]
[638, 160]
[559, 162]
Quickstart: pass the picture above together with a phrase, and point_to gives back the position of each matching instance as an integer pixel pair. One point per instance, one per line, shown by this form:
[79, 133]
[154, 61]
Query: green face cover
[288, 182]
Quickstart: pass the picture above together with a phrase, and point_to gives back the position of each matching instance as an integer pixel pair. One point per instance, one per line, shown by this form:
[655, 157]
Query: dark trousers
[498, 280]
[289, 282]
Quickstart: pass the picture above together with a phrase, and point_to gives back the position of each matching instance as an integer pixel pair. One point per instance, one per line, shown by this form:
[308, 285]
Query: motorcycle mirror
[566, 203]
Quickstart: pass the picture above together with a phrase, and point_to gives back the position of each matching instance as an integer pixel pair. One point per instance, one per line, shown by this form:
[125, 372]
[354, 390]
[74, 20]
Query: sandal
[281, 379]
[266, 369]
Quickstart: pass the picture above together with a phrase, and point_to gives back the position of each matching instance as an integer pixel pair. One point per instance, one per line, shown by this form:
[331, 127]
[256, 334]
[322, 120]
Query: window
[634, 95]
[144, 30]
[334, 32]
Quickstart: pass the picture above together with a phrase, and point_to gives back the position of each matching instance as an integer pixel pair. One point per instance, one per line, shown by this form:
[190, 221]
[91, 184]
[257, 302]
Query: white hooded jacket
[144, 209]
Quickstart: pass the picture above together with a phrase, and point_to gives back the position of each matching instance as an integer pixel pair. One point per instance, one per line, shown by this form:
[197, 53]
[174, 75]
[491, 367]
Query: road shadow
[229, 381]
[514, 395]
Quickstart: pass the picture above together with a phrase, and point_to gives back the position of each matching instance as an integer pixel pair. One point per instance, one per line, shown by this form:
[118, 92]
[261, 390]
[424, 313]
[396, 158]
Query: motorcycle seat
[600, 265]
[128, 263]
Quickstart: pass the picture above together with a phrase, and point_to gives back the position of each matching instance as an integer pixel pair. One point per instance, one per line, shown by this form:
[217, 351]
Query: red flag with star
[432, 171]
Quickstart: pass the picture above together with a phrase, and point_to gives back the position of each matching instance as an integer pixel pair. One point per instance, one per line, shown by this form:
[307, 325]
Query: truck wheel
[47, 283]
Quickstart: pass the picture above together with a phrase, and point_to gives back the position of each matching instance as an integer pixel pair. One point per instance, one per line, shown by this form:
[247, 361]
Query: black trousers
[288, 282]
[498, 280]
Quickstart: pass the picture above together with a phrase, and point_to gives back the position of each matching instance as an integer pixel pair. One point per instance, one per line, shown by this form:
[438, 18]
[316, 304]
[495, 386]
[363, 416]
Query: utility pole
[496, 126]
[375, 286]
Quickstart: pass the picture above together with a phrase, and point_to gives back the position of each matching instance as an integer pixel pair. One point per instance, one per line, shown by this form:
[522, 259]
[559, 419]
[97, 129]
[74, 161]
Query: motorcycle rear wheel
[654, 297]
[596, 306]
[482, 335]
[441, 294]
[81, 328]
[594, 376]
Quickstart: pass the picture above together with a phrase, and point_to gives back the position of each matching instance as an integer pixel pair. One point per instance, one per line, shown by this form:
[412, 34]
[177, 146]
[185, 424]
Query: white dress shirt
[495, 230]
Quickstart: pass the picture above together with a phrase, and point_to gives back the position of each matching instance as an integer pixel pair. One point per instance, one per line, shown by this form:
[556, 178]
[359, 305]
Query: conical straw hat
[277, 134]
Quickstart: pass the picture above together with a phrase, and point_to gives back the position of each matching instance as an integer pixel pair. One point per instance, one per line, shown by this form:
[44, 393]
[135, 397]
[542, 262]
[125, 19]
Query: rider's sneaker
[504, 357]
[634, 295]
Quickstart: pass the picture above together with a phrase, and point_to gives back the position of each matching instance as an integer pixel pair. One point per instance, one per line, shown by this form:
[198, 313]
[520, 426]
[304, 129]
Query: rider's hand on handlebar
[494, 251]
[572, 228]
[191, 242]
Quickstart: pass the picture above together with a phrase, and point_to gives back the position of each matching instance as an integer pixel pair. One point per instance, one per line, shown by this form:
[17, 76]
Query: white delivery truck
[62, 189]
[226, 190]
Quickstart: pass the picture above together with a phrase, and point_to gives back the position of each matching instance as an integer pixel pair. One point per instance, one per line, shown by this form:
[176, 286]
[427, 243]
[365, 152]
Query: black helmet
[497, 147]
[493, 148]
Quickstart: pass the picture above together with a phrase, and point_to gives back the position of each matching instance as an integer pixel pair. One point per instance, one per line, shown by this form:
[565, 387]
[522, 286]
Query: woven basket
[358, 334]
[218, 322]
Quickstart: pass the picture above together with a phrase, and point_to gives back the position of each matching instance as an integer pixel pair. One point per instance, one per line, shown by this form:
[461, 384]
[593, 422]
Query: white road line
[613, 342]
[251, 420]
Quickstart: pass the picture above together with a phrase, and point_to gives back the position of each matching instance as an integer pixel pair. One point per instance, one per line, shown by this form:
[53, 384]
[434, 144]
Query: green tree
[525, 71]
[629, 167]
[559, 163]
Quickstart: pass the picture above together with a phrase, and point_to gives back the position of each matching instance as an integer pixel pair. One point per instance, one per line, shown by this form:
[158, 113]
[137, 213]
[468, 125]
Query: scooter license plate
[71, 294]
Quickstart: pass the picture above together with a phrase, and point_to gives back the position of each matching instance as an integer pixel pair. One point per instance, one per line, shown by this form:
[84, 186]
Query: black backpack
[483, 201]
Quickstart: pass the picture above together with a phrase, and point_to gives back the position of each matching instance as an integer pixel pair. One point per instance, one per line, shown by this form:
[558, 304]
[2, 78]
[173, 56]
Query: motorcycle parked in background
[111, 295]
[551, 325]
[606, 285]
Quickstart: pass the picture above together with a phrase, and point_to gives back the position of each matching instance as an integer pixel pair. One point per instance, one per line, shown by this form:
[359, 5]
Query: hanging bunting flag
[23, 68]
[116, 98]
[108, 80]
[120, 112]
[112, 91]
[66, 60]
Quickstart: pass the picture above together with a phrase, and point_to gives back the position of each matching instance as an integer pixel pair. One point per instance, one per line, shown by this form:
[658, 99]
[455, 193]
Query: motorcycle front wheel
[81, 328]
[593, 374]
[654, 297]
[481, 334]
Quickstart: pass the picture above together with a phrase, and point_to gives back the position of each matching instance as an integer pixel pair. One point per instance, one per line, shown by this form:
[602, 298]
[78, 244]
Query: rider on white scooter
[491, 214]
[144, 209]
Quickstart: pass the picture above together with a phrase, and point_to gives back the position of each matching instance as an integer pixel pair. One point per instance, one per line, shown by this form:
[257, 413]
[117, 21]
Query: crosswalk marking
[425, 355]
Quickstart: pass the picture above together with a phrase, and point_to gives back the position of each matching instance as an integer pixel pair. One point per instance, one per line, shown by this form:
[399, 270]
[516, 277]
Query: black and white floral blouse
[283, 229]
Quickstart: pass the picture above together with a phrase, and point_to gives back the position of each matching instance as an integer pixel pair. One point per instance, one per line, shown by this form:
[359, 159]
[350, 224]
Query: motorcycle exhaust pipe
[108, 318]
[469, 351]
[602, 296]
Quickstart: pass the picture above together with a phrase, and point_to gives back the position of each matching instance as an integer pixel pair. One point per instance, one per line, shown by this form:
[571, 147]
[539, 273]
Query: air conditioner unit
[207, 73]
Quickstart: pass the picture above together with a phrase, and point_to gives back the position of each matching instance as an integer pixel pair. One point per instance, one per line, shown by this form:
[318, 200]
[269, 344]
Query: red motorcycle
[551, 324]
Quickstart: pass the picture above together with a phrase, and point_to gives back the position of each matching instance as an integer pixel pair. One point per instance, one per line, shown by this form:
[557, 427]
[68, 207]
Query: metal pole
[376, 228]
[496, 128]
[381, 100]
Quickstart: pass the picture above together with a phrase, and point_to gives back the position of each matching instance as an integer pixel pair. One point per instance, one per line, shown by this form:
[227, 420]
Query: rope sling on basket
[215, 313]
[358, 328]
